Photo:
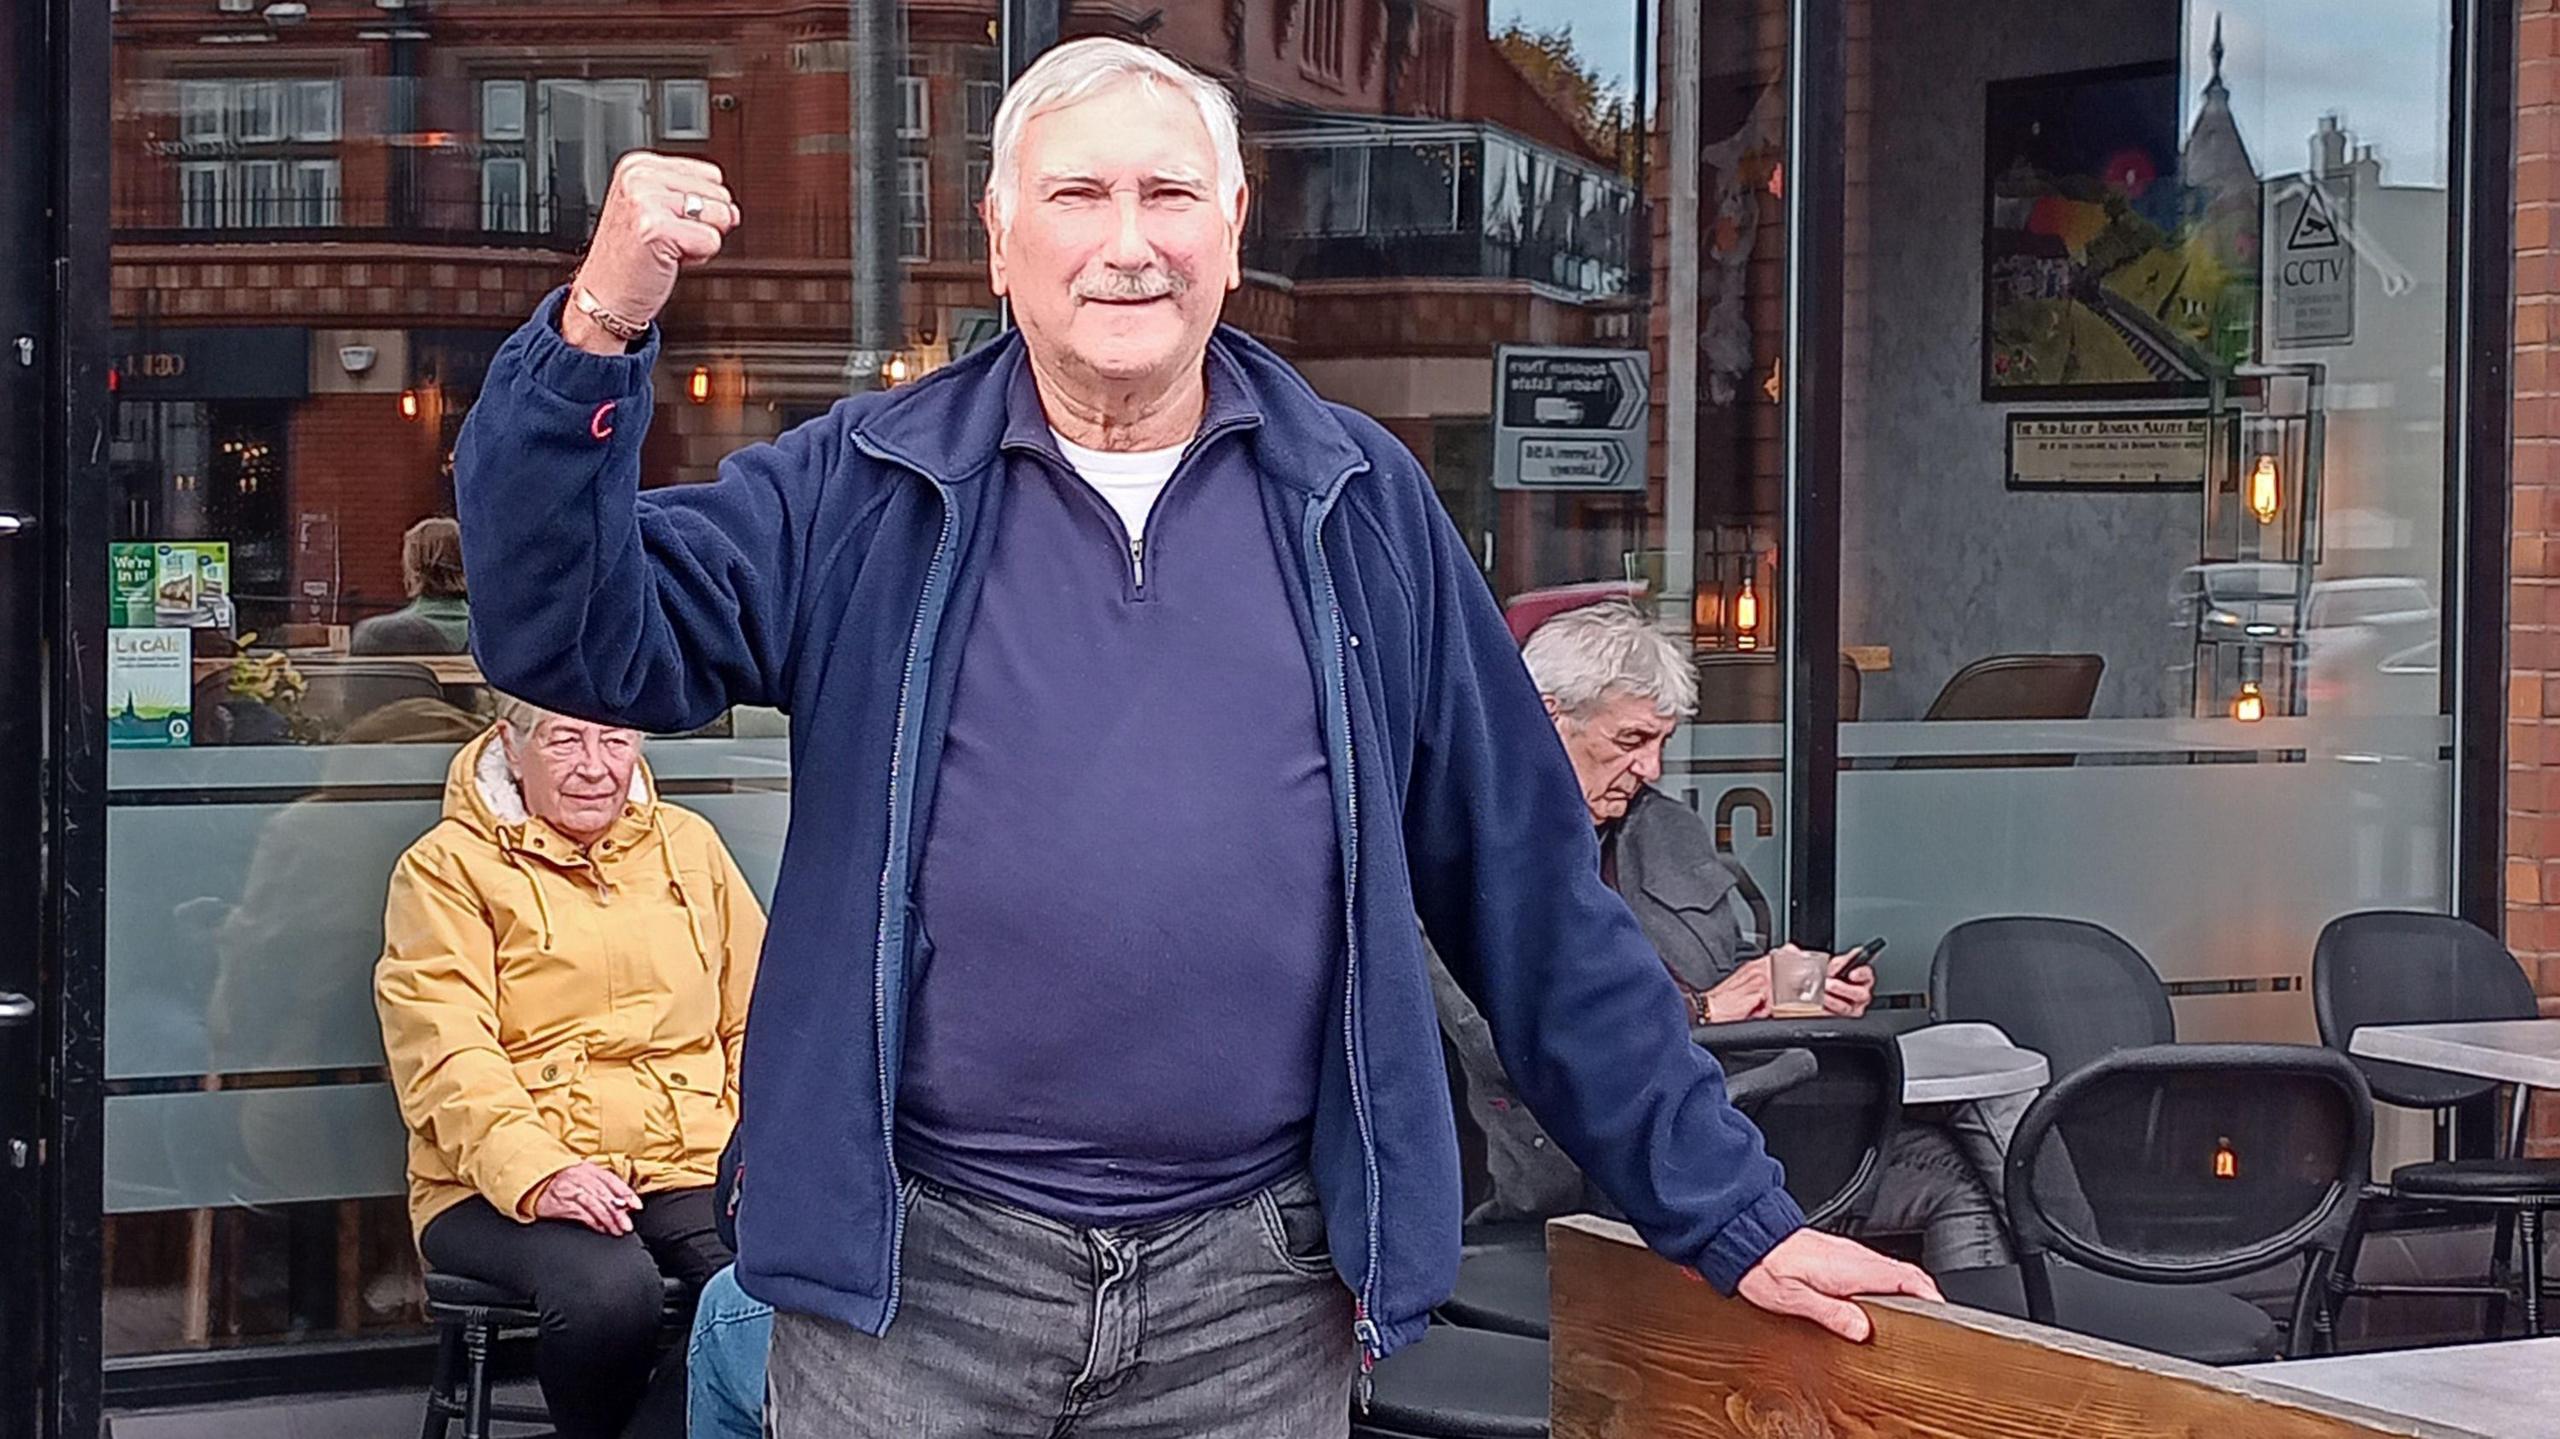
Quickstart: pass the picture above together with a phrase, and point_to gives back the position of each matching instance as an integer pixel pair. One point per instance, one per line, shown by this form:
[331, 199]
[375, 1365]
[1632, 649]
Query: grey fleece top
[1690, 905]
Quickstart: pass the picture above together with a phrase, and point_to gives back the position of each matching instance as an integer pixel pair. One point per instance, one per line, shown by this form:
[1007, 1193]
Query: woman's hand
[590, 1194]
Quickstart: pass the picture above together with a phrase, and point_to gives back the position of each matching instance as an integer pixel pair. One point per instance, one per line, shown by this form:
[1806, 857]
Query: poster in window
[2120, 257]
[150, 688]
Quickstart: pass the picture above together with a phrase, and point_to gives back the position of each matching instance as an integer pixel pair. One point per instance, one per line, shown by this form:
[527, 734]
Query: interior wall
[1939, 561]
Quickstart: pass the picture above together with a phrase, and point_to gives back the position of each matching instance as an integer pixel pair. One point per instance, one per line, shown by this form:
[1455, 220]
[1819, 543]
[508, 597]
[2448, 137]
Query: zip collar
[1229, 407]
[952, 425]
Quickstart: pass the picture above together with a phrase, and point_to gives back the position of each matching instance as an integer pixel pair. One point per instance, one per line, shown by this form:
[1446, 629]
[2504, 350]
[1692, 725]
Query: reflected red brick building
[326, 222]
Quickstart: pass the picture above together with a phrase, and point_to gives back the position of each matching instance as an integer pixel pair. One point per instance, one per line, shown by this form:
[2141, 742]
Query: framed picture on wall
[2119, 256]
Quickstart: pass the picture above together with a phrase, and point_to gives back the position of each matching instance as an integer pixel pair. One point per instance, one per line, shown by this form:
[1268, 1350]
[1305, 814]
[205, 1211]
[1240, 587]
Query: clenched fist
[663, 216]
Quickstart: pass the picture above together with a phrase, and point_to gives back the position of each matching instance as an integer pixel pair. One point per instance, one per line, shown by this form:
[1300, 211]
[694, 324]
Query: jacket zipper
[926, 606]
[1364, 1327]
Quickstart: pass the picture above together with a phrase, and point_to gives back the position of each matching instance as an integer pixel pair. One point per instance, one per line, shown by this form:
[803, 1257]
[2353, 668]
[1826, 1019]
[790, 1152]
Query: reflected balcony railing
[1383, 199]
[818, 229]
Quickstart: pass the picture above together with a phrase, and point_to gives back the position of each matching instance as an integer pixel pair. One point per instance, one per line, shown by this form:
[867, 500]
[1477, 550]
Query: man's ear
[1235, 239]
[996, 238]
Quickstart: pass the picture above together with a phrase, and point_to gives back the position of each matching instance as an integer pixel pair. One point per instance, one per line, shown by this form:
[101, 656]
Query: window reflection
[323, 230]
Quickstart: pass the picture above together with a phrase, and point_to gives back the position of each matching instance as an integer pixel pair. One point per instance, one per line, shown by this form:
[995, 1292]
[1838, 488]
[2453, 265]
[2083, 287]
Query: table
[2499, 1390]
[2511, 1051]
[1959, 1063]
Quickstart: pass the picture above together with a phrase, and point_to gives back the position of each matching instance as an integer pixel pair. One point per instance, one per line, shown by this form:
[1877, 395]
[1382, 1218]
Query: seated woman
[1617, 689]
[437, 619]
[563, 993]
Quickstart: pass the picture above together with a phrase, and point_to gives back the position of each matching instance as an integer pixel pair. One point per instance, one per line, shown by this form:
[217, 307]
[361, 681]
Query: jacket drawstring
[675, 881]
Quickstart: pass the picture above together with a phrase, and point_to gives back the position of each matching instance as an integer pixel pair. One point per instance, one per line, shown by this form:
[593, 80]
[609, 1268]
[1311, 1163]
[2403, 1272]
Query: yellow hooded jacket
[543, 1004]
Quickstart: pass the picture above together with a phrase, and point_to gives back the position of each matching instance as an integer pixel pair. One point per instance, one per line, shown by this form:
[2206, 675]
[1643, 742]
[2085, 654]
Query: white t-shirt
[1129, 479]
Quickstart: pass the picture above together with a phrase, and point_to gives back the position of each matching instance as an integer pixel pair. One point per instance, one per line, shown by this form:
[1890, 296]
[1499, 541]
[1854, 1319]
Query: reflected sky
[1604, 31]
[2381, 66]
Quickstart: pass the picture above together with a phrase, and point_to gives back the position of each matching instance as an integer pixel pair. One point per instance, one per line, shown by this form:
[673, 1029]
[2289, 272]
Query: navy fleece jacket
[834, 574]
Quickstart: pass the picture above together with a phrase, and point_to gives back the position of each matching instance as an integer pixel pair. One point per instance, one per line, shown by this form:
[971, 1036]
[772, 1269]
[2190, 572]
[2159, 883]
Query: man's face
[1616, 748]
[575, 774]
[1119, 253]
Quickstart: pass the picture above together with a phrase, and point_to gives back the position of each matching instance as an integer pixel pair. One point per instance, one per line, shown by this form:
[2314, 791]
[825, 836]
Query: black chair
[1504, 1287]
[1832, 1130]
[2021, 687]
[1459, 1383]
[2146, 1176]
[2412, 967]
[2015, 687]
[469, 1317]
[2072, 991]
[1749, 687]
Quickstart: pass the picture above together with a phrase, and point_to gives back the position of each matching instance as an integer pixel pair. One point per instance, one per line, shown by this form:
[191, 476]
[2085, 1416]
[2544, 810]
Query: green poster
[130, 575]
[171, 584]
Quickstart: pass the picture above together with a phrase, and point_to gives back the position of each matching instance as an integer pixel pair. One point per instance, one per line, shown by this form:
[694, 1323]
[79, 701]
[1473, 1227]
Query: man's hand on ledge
[1812, 1275]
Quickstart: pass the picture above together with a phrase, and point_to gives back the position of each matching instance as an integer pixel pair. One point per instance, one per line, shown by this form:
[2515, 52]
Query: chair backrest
[2070, 990]
[1750, 687]
[343, 691]
[2388, 966]
[1830, 1131]
[1740, 687]
[2191, 1163]
[2021, 687]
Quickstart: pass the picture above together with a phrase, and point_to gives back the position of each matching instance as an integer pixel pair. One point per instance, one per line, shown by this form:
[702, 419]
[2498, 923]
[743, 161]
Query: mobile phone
[1863, 957]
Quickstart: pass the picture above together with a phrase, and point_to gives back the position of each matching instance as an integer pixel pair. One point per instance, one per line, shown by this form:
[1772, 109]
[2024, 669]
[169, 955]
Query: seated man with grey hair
[1617, 688]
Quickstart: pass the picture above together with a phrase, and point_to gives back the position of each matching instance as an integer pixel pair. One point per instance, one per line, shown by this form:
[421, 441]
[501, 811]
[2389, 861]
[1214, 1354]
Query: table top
[2511, 1051]
[2502, 1391]
[1955, 1063]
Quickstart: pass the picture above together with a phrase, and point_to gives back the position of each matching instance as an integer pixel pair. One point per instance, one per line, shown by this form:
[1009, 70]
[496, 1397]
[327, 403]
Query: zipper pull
[1138, 562]
[1370, 1343]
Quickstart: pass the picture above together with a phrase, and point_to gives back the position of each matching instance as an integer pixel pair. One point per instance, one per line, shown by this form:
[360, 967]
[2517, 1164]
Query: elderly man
[1140, 700]
[1617, 688]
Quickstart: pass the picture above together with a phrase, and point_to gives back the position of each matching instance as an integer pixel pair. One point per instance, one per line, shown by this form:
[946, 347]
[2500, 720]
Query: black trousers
[600, 1298]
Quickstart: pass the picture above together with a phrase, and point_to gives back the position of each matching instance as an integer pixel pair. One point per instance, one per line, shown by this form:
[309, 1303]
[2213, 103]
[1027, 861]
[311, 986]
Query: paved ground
[390, 1415]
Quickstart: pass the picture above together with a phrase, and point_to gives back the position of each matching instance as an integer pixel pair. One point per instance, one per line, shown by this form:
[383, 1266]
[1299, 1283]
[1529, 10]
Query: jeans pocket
[1293, 1228]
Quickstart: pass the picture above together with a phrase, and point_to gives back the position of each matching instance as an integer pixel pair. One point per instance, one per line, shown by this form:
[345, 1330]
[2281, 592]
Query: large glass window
[2144, 500]
[322, 233]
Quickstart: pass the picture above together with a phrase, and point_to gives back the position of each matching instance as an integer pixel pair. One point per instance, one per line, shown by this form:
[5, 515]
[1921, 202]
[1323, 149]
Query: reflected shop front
[2072, 439]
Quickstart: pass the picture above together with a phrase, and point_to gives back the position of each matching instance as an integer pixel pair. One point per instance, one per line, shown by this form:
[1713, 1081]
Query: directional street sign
[1569, 419]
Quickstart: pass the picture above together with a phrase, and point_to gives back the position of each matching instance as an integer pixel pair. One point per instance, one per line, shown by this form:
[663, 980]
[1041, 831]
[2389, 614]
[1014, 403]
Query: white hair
[522, 717]
[1080, 69]
[1582, 657]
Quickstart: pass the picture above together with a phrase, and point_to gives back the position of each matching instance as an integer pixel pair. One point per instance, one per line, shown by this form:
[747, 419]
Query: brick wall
[357, 462]
[2533, 690]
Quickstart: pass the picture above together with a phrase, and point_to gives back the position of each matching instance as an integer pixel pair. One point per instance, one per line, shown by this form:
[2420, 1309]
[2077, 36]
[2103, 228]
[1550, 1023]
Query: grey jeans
[1226, 1324]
